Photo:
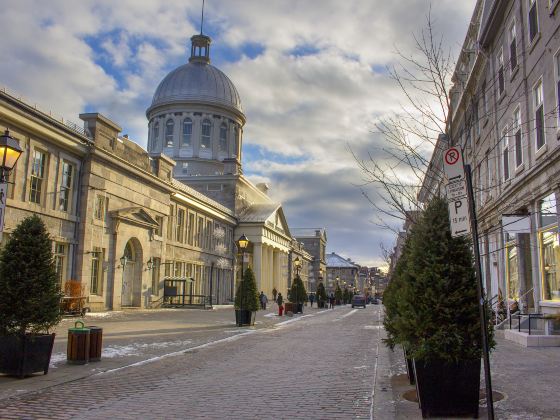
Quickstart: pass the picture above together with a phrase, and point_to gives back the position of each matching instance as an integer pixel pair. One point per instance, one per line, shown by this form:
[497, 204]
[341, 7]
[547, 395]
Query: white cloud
[314, 89]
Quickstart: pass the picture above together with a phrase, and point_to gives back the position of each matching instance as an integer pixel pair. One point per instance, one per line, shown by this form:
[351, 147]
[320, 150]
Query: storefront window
[549, 259]
[549, 248]
[512, 273]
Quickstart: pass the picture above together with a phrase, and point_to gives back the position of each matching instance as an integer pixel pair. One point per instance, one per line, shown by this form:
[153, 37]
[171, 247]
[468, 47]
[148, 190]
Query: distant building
[341, 270]
[304, 266]
[315, 242]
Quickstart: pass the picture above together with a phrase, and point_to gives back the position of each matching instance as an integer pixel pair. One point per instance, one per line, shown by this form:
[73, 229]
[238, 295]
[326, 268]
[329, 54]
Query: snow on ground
[135, 349]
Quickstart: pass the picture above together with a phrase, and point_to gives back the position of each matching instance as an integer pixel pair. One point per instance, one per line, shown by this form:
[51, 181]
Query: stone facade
[505, 100]
[103, 197]
[314, 242]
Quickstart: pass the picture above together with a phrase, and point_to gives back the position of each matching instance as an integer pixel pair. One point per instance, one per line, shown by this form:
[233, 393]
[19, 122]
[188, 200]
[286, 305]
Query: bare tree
[424, 79]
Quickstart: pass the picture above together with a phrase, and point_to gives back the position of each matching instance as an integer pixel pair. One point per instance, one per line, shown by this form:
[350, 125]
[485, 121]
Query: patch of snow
[361, 367]
[107, 314]
[270, 315]
[373, 327]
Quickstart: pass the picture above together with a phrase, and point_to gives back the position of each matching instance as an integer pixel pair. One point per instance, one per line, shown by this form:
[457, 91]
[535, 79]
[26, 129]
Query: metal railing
[530, 316]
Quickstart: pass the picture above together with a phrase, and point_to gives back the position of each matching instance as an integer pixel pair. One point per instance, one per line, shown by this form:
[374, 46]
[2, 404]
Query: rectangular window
[100, 207]
[516, 133]
[557, 77]
[178, 272]
[200, 233]
[505, 153]
[170, 223]
[180, 225]
[533, 20]
[501, 81]
[547, 211]
[476, 118]
[191, 228]
[209, 231]
[159, 230]
[37, 176]
[539, 114]
[549, 249]
[59, 255]
[512, 272]
[512, 47]
[155, 275]
[168, 266]
[96, 274]
[65, 199]
[484, 99]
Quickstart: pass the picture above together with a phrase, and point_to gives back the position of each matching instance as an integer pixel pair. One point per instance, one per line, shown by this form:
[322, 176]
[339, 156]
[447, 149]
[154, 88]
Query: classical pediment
[135, 215]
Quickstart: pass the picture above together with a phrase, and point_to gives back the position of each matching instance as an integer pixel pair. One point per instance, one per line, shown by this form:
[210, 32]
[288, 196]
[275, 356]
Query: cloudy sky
[311, 74]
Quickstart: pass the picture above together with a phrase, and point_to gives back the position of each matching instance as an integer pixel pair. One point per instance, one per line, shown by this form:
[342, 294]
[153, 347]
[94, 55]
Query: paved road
[319, 366]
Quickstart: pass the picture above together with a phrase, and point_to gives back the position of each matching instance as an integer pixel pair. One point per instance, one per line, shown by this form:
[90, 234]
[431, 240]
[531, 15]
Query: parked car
[359, 300]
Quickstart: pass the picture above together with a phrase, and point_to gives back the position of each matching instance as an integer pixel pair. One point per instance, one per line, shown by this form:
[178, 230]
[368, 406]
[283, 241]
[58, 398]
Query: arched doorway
[132, 274]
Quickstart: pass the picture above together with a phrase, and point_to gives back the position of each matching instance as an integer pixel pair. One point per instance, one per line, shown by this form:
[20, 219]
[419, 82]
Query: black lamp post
[242, 244]
[297, 264]
[10, 151]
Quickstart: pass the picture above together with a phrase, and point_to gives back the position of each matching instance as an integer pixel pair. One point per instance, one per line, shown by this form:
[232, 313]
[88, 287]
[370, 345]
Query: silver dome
[197, 82]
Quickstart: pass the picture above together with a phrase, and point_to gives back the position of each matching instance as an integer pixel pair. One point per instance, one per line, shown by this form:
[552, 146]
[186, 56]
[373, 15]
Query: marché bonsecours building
[123, 219]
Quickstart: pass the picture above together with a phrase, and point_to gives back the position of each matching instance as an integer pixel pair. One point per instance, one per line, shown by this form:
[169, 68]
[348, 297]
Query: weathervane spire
[202, 18]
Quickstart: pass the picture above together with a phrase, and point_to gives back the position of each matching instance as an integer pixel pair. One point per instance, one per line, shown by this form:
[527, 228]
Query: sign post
[462, 216]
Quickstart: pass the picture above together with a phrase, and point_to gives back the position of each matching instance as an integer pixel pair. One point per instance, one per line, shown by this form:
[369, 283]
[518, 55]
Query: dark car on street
[358, 300]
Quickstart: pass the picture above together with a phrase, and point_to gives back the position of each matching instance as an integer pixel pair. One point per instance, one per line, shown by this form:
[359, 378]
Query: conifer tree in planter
[345, 296]
[298, 294]
[246, 299]
[321, 295]
[439, 322]
[338, 294]
[396, 309]
[29, 300]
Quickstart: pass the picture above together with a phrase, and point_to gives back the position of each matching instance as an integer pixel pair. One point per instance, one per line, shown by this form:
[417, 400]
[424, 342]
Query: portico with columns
[269, 245]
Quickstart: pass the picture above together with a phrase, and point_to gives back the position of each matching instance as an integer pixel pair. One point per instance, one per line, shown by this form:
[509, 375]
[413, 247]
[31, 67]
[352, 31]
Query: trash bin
[95, 343]
[77, 350]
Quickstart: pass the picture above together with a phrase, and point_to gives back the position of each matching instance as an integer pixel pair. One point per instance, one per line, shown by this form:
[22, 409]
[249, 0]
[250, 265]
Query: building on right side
[505, 116]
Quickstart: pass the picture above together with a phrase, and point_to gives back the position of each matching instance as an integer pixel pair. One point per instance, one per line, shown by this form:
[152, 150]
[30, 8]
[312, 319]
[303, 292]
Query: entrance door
[128, 276]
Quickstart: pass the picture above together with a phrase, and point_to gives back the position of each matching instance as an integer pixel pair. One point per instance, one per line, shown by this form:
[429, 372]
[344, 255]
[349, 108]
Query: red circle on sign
[452, 156]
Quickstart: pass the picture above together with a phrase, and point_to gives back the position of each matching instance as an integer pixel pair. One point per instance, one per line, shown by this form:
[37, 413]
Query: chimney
[263, 187]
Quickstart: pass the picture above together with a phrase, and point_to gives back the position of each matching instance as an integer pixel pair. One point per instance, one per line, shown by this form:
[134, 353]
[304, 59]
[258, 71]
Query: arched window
[223, 137]
[169, 132]
[187, 132]
[155, 135]
[206, 134]
[236, 151]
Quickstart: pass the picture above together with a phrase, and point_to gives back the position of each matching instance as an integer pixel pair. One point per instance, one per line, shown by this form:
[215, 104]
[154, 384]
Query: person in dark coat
[280, 301]
[311, 299]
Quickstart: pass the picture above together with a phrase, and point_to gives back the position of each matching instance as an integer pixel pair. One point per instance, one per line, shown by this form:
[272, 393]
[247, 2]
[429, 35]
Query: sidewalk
[527, 377]
[133, 336]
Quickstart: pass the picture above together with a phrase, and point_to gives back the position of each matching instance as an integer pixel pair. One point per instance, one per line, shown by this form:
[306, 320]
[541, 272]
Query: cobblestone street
[321, 365]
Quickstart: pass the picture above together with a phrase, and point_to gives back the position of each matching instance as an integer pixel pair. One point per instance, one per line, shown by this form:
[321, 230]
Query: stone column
[257, 263]
[275, 278]
[196, 132]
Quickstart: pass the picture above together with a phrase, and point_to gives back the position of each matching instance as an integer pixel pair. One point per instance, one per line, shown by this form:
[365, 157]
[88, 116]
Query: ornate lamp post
[242, 244]
[297, 264]
[10, 151]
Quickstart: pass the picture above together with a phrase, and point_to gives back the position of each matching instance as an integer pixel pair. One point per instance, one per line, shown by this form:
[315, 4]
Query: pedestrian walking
[280, 301]
[263, 300]
[311, 299]
[331, 301]
[274, 294]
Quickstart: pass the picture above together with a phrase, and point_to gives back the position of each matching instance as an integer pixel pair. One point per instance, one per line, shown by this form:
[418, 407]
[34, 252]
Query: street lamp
[297, 263]
[10, 151]
[124, 260]
[242, 244]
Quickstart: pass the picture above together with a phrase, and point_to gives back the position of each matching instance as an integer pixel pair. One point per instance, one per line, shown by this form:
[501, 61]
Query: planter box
[289, 307]
[409, 368]
[23, 356]
[244, 317]
[447, 389]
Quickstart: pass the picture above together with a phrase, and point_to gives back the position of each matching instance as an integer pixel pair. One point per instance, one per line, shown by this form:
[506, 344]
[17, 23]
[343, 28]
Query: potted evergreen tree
[29, 300]
[439, 317]
[345, 296]
[321, 295]
[338, 295]
[396, 309]
[298, 294]
[246, 300]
